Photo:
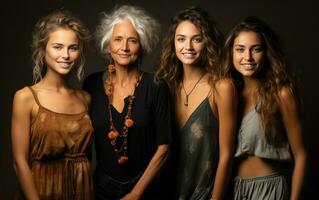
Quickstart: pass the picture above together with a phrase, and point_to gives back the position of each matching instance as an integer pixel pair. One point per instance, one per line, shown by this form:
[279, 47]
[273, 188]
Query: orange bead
[129, 122]
[113, 134]
[111, 68]
[122, 160]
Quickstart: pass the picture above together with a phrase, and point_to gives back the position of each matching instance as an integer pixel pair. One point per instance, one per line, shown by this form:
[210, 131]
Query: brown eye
[239, 50]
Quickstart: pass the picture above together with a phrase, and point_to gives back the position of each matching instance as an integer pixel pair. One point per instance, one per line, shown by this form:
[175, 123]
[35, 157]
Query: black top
[152, 125]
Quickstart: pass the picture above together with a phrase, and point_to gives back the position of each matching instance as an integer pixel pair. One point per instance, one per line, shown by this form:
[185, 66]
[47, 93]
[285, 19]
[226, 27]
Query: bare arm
[292, 124]
[20, 134]
[153, 167]
[226, 100]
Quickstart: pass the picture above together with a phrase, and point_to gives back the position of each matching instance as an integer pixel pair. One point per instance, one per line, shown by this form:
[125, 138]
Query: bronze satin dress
[58, 142]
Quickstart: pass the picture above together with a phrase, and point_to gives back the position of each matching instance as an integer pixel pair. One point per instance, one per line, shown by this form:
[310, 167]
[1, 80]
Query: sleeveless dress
[59, 165]
[197, 154]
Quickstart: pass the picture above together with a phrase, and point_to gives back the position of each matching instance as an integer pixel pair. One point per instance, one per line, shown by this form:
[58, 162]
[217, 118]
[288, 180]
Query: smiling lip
[64, 64]
[124, 55]
[249, 65]
[189, 55]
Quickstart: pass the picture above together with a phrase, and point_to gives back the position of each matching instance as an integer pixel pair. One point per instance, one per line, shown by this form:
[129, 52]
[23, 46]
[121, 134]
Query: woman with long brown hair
[270, 125]
[205, 106]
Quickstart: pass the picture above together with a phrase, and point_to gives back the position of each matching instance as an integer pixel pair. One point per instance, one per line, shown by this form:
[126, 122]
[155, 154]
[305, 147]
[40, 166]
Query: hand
[132, 196]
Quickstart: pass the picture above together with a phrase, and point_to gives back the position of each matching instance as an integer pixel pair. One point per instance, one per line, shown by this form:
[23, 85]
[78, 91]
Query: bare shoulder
[286, 97]
[23, 99]
[23, 95]
[285, 93]
[225, 85]
[84, 95]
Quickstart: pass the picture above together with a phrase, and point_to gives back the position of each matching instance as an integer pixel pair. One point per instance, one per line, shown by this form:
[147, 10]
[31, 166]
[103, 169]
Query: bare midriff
[252, 166]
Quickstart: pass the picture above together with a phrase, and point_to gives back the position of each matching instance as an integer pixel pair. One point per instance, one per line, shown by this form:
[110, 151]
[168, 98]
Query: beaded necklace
[113, 134]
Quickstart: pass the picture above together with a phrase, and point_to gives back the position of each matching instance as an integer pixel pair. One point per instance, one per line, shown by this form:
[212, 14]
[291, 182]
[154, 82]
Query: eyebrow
[192, 36]
[57, 43]
[241, 45]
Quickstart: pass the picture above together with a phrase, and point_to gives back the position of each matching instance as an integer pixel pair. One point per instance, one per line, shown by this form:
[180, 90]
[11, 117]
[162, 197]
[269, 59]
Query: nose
[189, 45]
[248, 55]
[125, 45]
[65, 53]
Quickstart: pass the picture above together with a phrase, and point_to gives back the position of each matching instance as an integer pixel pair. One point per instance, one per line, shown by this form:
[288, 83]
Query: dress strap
[34, 95]
[83, 100]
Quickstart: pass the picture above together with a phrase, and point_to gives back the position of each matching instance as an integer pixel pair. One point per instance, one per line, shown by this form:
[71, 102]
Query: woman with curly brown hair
[270, 125]
[205, 106]
[51, 128]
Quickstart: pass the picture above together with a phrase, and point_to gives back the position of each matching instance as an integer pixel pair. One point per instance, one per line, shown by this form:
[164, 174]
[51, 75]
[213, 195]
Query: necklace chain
[187, 94]
[113, 134]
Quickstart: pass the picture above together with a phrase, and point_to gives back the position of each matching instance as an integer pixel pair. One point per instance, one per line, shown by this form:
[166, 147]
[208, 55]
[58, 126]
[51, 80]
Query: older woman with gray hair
[130, 111]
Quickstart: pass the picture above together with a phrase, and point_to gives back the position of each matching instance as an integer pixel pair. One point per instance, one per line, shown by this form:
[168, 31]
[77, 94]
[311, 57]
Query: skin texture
[248, 54]
[189, 43]
[222, 101]
[125, 48]
[61, 52]
[247, 49]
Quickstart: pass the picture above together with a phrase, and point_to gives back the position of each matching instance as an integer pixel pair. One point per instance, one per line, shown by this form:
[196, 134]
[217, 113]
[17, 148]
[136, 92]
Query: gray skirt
[270, 187]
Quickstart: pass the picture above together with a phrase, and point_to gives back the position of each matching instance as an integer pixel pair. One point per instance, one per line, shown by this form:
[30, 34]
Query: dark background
[296, 23]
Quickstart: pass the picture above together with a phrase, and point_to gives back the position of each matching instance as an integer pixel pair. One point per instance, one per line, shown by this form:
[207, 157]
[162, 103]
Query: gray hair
[145, 25]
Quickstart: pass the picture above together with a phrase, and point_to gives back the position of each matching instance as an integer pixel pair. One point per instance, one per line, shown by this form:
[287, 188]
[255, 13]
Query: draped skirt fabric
[270, 187]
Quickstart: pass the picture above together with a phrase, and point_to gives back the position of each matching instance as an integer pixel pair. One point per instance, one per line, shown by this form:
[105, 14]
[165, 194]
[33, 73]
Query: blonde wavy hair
[57, 19]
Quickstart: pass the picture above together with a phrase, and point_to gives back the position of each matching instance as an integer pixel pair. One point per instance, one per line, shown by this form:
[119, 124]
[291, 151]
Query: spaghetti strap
[210, 92]
[82, 99]
[35, 96]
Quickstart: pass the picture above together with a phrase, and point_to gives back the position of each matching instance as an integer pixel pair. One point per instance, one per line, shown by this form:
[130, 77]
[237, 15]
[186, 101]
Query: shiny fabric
[197, 154]
[60, 167]
[252, 140]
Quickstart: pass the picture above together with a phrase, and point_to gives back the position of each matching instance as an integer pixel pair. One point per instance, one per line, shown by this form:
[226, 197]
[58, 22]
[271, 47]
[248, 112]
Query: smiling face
[124, 45]
[189, 43]
[248, 53]
[62, 50]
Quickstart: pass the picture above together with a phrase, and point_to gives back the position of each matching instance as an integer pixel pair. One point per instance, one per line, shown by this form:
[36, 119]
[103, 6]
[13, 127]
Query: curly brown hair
[57, 19]
[170, 67]
[274, 74]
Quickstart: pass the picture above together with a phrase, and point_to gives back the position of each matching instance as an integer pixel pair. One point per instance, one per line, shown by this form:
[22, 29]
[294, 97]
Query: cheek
[235, 58]
[259, 59]
[199, 48]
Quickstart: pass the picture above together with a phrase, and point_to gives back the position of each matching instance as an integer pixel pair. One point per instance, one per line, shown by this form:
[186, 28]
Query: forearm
[25, 178]
[222, 177]
[152, 169]
[298, 176]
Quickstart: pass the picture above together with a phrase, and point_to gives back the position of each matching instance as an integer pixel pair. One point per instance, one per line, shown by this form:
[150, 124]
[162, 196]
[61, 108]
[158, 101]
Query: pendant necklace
[187, 94]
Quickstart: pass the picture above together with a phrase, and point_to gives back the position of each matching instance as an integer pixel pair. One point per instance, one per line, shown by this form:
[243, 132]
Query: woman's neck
[192, 73]
[54, 82]
[125, 75]
[250, 89]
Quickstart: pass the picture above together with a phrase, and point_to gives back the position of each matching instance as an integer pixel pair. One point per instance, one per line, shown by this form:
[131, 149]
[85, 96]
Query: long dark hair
[275, 72]
[170, 67]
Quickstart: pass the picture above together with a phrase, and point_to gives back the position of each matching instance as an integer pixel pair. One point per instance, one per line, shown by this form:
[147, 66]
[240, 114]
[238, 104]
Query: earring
[111, 68]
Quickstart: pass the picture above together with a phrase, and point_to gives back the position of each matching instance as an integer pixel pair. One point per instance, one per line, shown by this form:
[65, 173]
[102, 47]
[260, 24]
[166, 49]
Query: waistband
[256, 178]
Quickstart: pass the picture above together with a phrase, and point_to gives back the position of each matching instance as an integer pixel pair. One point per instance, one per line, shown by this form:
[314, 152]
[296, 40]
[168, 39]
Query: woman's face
[124, 45]
[189, 43]
[248, 53]
[61, 51]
